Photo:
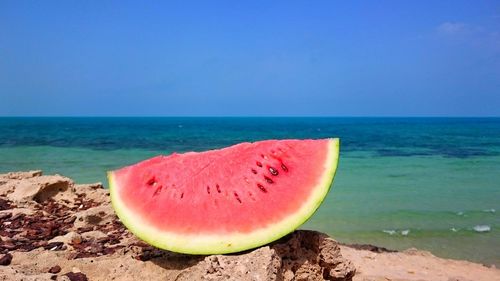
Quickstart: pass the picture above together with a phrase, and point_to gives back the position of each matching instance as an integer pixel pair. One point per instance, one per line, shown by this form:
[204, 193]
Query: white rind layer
[234, 242]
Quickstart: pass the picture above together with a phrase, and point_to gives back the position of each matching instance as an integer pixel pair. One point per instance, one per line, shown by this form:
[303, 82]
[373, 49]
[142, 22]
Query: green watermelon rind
[204, 243]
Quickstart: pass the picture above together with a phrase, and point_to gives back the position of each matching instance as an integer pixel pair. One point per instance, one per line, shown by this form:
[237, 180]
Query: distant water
[430, 183]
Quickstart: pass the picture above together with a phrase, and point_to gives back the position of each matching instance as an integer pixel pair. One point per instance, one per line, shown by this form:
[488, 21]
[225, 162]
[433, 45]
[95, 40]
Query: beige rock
[93, 235]
[6, 187]
[21, 175]
[41, 188]
[310, 255]
[261, 264]
[10, 274]
[95, 192]
[95, 216]
[69, 238]
[9, 181]
[284, 260]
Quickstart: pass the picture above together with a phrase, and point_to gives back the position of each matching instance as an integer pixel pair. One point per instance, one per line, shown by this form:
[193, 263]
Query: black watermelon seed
[151, 181]
[254, 171]
[158, 190]
[218, 188]
[268, 179]
[258, 164]
[261, 187]
[273, 171]
[237, 197]
[284, 167]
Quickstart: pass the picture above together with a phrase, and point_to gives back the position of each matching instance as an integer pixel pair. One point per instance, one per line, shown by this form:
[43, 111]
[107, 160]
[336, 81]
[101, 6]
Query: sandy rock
[310, 255]
[41, 188]
[95, 216]
[6, 187]
[272, 262]
[261, 264]
[94, 235]
[10, 274]
[9, 181]
[303, 255]
[69, 238]
[21, 175]
[94, 192]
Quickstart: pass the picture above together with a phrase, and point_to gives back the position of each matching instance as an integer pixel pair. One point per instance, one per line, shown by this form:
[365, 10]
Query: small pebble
[78, 276]
[55, 269]
[6, 259]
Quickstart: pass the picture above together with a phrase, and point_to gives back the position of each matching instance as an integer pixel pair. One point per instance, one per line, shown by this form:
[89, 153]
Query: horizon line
[248, 116]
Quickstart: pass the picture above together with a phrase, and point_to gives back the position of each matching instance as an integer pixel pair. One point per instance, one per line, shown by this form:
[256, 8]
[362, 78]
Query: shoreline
[53, 228]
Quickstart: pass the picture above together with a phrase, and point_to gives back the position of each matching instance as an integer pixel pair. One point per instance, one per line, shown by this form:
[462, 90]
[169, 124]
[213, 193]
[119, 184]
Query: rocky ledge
[54, 229]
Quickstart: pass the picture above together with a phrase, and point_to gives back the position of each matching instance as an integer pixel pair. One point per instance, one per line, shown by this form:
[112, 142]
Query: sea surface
[429, 183]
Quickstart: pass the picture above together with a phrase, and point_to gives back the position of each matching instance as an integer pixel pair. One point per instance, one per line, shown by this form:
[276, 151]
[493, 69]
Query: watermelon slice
[226, 200]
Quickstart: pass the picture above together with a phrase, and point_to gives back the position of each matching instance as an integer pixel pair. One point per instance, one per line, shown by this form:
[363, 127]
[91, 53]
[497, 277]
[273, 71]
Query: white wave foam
[460, 213]
[454, 229]
[390, 231]
[489, 210]
[405, 232]
[482, 228]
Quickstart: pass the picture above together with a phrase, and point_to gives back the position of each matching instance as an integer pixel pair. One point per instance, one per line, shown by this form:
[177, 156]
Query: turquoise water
[402, 182]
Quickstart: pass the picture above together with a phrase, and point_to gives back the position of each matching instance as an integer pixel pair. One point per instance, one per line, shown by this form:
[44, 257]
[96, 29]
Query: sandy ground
[414, 264]
[53, 229]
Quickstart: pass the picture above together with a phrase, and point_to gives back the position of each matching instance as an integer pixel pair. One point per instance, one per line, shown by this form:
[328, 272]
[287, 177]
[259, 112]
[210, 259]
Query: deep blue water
[448, 137]
[429, 183]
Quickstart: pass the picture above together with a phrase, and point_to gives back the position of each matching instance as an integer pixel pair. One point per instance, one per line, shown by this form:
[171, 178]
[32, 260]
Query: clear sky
[250, 58]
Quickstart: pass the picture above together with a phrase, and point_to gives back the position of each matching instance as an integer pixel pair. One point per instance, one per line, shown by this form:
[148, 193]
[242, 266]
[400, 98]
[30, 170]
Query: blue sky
[250, 58]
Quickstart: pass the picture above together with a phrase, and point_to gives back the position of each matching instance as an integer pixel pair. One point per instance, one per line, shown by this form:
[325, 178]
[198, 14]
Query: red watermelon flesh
[224, 200]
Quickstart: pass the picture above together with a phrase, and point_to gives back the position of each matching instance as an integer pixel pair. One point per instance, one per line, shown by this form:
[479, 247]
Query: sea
[427, 183]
